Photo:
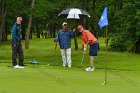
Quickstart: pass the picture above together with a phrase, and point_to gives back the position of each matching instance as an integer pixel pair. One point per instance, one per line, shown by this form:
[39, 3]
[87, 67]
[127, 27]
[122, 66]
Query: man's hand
[14, 45]
[85, 47]
[73, 30]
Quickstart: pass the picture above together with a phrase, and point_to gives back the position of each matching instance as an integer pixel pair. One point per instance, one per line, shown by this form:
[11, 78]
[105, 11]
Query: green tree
[29, 26]
[126, 32]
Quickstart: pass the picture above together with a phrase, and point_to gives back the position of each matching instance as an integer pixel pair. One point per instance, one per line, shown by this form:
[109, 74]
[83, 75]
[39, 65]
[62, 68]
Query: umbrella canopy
[73, 13]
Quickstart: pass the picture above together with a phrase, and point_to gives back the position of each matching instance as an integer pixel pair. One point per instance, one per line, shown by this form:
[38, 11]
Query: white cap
[64, 23]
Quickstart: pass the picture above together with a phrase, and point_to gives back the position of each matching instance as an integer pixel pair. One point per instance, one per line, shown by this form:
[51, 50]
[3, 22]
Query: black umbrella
[73, 13]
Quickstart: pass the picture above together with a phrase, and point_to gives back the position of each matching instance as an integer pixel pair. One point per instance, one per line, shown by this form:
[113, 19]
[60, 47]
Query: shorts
[93, 49]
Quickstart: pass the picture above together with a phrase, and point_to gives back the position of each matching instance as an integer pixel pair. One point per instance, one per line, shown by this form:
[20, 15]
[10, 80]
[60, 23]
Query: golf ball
[102, 84]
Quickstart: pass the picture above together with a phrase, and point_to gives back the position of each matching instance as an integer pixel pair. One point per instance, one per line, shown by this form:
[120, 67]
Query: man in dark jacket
[64, 38]
[16, 44]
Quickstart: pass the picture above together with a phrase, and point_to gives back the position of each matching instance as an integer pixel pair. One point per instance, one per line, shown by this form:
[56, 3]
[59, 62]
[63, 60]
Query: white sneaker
[64, 65]
[20, 67]
[17, 66]
[90, 69]
[69, 66]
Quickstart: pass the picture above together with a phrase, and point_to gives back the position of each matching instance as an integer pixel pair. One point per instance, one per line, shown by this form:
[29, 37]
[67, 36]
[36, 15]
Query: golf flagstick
[104, 22]
[106, 57]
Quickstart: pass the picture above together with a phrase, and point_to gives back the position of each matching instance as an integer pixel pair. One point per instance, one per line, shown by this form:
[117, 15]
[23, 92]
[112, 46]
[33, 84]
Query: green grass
[123, 72]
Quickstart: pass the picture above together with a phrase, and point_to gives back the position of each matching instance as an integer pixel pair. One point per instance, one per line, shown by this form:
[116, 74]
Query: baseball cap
[64, 23]
[80, 27]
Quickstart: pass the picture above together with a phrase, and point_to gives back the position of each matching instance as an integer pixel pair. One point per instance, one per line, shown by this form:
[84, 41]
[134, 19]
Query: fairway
[123, 71]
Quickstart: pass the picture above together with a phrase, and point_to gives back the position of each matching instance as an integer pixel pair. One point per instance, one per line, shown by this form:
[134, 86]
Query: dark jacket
[16, 32]
[64, 38]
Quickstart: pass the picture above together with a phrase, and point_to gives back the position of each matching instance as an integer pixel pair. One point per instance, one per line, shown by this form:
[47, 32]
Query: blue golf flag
[104, 19]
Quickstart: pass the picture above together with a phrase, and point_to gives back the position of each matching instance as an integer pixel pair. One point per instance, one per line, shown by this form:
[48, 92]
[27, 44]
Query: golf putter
[83, 58]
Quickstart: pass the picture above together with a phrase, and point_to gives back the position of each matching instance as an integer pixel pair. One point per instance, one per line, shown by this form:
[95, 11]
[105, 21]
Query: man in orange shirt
[89, 39]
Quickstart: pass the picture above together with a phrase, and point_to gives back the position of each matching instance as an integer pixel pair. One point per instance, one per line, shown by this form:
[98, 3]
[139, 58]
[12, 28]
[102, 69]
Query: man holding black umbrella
[64, 38]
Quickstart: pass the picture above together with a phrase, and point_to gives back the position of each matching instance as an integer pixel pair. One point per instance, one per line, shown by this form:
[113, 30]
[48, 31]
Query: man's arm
[84, 43]
[14, 35]
[89, 36]
[72, 33]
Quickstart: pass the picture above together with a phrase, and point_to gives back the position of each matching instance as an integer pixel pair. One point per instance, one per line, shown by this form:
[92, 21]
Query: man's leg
[69, 57]
[91, 61]
[91, 68]
[63, 53]
[14, 55]
[21, 55]
[93, 52]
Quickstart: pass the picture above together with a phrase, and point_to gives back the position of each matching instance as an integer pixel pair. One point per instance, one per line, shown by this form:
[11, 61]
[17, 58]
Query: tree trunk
[4, 31]
[51, 29]
[24, 27]
[23, 32]
[38, 33]
[3, 15]
[1, 8]
[54, 30]
[4, 23]
[138, 45]
[29, 27]
[75, 41]
[1, 25]
[31, 34]
[75, 34]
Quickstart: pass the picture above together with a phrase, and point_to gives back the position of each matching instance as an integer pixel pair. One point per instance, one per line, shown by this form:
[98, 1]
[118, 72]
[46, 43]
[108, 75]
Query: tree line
[41, 17]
